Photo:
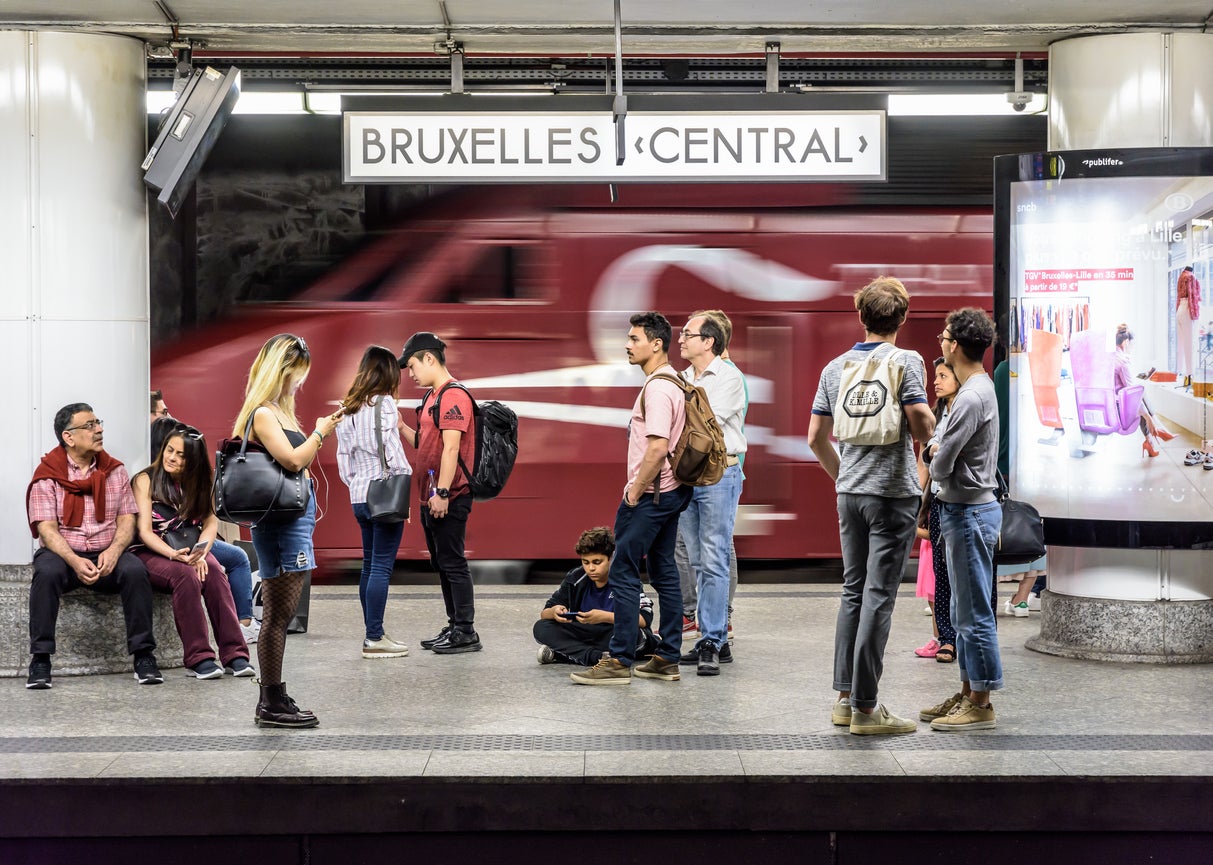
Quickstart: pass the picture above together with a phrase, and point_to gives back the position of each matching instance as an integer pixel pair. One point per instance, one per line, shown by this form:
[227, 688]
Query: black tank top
[295, 437]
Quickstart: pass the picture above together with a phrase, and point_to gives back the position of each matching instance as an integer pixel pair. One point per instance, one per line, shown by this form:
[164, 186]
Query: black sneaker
[709, 659]
[458, 642]
[726, 654]
[39, 678]
[437, 638]
[204, 669]
[146, 671]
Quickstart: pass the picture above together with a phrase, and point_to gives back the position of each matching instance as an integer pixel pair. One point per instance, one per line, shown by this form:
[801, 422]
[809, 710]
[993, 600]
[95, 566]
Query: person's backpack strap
[437, 410]
[678, 380]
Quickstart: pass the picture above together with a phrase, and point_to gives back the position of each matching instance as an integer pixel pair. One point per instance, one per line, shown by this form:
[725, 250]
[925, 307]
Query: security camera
[1019, 99]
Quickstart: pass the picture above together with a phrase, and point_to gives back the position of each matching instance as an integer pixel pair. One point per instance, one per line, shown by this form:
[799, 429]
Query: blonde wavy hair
[283, 358]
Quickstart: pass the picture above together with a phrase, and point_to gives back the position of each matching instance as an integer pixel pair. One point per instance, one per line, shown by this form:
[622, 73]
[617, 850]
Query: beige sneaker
[607, 671]
[966, 716]
[658, 667]
[384, 647]
[882, 722]
[840, 715]
[942, 709]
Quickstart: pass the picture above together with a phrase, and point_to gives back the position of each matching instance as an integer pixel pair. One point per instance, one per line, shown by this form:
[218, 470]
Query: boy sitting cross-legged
[577, 621]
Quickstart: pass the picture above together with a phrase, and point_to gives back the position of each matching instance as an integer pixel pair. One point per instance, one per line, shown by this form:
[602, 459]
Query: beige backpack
[868, 408]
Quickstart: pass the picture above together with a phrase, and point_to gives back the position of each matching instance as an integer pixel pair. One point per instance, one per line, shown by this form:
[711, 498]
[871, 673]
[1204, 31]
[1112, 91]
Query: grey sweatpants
[876, 534]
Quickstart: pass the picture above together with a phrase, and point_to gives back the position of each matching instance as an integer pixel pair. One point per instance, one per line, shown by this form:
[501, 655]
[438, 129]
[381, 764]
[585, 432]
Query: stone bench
[91, 634]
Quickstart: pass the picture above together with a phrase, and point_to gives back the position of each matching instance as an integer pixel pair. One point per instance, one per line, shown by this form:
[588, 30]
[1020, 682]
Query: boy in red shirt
[445, 437]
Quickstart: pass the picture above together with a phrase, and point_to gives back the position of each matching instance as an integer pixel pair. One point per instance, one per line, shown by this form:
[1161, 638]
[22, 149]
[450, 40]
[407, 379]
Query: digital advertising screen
[1102, 283]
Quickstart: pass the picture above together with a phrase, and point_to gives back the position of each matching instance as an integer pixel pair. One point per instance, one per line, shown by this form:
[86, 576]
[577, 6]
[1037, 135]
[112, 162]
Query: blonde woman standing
[370, 417]
[284, 550]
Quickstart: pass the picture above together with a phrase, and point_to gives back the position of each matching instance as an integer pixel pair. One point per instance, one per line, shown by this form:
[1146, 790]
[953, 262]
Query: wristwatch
[442, 493]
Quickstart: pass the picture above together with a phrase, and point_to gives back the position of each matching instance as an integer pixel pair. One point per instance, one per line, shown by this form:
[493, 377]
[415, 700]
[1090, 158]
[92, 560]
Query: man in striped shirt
[81, 510]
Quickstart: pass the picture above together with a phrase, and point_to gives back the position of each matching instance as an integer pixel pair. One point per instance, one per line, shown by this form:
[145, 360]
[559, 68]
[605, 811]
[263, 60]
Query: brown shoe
[607, 671]
[658, 667]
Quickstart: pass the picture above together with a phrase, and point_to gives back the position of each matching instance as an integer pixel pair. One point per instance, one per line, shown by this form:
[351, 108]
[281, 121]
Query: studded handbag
[251, 487]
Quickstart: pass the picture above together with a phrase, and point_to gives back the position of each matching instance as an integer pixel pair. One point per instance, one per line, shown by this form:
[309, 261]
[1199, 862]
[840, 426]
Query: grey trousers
[876, 534]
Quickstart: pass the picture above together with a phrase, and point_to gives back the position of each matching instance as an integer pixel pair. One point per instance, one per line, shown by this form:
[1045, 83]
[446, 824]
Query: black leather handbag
[387, 497]
[177, 533]
[251, 487]
[1022, 537]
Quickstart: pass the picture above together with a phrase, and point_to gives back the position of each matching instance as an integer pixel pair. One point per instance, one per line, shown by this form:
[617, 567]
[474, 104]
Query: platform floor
[520, 742]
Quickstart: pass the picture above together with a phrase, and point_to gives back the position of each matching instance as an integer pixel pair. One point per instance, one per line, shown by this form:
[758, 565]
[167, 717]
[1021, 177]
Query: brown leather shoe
[658, 667]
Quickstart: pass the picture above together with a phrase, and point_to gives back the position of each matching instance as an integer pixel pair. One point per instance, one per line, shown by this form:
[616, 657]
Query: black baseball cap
[423, 340]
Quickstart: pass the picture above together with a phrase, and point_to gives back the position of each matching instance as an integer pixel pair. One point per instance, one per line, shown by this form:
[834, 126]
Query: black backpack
[496, 444]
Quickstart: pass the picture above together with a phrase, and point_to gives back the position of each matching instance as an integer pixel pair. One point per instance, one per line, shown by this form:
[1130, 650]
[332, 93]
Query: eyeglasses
[162, 413]
[943, 337]
[685, 335]
[189, 432]
[91, 426]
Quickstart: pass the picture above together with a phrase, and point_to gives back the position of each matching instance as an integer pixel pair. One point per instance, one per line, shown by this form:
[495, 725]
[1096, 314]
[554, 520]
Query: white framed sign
[580, 146]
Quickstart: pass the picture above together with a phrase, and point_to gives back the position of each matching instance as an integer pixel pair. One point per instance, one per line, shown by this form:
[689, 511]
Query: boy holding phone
[576, 624]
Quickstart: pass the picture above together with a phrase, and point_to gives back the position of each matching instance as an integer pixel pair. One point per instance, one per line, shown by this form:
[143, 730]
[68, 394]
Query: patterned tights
[279, 597]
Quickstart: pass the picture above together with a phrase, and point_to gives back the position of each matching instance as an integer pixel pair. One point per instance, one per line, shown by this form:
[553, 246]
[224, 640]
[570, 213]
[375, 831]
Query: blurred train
[532, 288]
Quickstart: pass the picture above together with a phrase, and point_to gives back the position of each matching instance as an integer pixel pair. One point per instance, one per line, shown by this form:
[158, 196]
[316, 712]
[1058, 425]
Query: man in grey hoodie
[963, 459]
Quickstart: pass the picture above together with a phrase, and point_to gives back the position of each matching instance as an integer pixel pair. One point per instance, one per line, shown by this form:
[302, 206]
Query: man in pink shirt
[81, 510]
[646, 523]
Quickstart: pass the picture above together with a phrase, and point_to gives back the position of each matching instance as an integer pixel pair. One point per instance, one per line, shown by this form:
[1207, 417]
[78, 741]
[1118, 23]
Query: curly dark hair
[973, 331]
[599, 539]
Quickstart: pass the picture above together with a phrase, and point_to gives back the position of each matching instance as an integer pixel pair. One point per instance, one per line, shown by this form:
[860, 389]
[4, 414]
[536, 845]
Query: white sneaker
[251, 631]
[547, 655]
[1020, 610]
[1006, 608]
[384, 647]
[1034, 603]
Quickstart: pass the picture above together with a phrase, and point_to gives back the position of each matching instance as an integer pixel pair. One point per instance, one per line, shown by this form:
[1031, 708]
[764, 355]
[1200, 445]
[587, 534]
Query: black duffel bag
[251, 487]
[1022, 537]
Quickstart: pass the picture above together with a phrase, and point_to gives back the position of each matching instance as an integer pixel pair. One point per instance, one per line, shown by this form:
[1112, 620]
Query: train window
[495, 274]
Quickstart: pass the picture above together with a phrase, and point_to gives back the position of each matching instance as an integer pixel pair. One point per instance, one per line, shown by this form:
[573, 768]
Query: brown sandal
[946, 654]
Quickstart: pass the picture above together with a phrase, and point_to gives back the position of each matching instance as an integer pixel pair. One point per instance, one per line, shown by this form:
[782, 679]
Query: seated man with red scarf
[82, 511]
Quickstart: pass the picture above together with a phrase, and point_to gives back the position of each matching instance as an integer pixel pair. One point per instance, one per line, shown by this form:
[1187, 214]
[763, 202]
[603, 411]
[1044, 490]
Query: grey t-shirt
[876, 470]
[967, 459]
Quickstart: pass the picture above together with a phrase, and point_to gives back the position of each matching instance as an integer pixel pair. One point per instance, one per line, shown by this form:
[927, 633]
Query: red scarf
[54, 466]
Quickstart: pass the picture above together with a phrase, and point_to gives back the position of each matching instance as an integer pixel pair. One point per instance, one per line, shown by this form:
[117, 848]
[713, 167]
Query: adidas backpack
[496, 444]
[699, 458]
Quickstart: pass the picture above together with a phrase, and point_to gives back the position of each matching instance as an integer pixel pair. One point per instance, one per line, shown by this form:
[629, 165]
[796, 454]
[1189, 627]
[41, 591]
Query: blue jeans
[647, 531]
[706, 527]
[970, 533]
[239, 575]
[380, 541]
[876, 534]
[286, 548]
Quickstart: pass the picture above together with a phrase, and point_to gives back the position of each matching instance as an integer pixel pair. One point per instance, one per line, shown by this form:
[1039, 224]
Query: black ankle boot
[277, 709]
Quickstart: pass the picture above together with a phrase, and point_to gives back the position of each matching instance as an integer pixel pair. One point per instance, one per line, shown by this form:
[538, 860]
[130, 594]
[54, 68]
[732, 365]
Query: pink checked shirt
[92, 535]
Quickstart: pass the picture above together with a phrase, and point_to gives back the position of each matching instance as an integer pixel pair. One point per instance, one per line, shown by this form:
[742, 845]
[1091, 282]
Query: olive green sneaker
[881, 722]
[840, 715]
[942, 709]
[607, 671]
[966, 716]
[657, 667]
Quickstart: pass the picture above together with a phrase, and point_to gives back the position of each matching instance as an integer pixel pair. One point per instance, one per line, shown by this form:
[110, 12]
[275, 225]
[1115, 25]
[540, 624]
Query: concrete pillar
[74, 252]
[1130, 604]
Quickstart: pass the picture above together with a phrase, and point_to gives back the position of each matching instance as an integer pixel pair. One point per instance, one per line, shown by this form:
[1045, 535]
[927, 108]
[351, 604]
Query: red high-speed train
[532, 289]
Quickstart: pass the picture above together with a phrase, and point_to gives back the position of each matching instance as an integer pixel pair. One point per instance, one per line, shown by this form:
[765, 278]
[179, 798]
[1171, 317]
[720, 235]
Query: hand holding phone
[199, 548]
[569, 615]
